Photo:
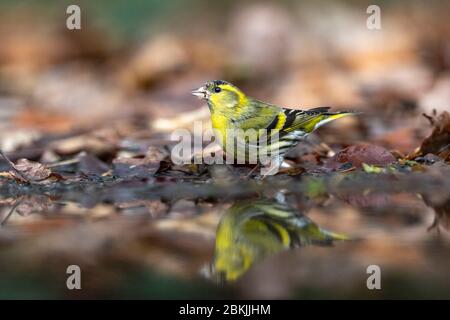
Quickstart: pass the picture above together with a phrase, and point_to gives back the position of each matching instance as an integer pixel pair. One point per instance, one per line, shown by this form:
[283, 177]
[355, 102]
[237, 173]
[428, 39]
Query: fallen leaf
[438, 142]
[89, 164]
[358, 154]
[370, 168]
[139, 167]
[33, 170]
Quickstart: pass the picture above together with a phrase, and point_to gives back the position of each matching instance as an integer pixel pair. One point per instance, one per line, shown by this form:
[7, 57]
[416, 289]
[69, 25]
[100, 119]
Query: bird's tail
[319, 116]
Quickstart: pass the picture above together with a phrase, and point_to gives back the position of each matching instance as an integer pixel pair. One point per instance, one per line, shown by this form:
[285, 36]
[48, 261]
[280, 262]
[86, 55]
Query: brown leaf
[139, 167]
[32, 170]
[155, 154]
[358, 154]
[438, 142]
[90, 164]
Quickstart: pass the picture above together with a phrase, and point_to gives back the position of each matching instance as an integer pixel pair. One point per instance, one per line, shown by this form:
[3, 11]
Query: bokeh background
[143, 57]
[122, 84]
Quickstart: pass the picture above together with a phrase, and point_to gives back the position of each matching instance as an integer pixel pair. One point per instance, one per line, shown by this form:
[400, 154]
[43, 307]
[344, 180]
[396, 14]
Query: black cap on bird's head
[209, 88]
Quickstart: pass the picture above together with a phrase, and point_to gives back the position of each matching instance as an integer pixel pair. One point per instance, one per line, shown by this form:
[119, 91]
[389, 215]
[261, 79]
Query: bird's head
[220, 95]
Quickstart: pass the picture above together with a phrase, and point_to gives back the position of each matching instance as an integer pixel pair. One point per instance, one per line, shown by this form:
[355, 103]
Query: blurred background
[122, 84]
[144, 57]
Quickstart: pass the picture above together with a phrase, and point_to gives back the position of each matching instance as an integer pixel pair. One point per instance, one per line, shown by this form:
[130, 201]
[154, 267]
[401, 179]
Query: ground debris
[139, 167]
[357, 155]
[28, 171]
[438, 142]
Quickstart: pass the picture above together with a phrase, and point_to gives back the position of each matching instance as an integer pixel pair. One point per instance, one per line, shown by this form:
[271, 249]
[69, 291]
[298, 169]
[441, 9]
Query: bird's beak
[201, 92]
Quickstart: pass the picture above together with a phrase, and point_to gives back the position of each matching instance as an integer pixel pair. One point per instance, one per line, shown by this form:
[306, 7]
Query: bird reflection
[252, 230]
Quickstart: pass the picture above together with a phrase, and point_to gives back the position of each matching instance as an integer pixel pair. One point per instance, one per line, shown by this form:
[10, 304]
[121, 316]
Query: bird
[266, 132]
[252, 230]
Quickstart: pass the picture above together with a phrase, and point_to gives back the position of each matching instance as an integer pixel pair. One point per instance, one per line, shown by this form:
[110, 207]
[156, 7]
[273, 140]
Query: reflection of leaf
[11, 211]
[33, 204]
[365, 199]
[253, 230]
[441, 207]
[27, 205]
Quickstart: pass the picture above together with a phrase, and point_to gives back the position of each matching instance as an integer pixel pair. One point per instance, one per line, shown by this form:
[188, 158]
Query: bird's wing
[309, 120]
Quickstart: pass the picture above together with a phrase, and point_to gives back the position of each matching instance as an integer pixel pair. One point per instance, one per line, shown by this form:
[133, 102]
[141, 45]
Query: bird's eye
[217, 89]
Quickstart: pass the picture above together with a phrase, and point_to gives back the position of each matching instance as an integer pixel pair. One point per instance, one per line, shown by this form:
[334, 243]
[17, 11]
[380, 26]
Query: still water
[284, 237]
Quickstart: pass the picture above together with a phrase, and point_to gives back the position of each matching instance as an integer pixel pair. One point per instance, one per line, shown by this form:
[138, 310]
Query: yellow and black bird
[254, 229]
[232, 110]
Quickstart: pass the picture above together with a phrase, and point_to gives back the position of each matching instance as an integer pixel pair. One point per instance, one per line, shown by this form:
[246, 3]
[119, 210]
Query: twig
[63, 163]
[430, 118]
[251, 171]
[11, 164]
[348, 170]
[16, 204]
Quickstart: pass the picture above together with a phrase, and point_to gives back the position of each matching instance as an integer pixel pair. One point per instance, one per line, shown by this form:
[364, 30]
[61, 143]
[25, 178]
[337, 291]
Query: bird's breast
[220, 124]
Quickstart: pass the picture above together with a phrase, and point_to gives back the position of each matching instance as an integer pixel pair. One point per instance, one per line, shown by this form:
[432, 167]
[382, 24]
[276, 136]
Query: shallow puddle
[279, 238]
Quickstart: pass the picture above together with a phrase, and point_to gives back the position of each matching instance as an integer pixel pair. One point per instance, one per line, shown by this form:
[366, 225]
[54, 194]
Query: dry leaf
[438, 142]
[34, 171]
[356, 155]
